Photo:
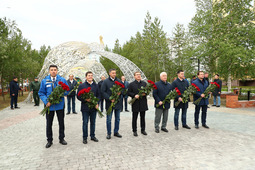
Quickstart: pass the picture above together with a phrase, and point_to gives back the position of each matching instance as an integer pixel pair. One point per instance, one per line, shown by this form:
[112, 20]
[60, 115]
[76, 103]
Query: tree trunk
[229, 82]
[2, 85]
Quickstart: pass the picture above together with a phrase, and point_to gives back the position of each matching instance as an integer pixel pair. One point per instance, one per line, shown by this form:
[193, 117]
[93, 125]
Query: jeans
[49, 121]
[214, 100]
[134, 121]
[176, 116]
[158, 113]
[69, 98]
[125, 102]
[14, 100]
[86, 116]
[101, 103]
[204, 112]
[109, 121]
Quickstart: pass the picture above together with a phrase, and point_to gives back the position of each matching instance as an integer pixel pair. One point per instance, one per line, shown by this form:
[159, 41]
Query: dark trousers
[204, 112]
[102, 105]
[176, 116]
[86, 116]
[49, 121]
[69, 98]
[125, 102]
[14, 100]
[36, 97]
[134, 121]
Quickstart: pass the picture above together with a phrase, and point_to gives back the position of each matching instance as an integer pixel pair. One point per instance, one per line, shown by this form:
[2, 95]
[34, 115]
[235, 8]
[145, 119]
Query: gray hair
[162, 73]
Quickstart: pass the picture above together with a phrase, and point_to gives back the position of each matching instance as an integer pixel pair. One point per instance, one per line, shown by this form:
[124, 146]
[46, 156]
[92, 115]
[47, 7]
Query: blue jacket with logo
[47, 87]
[202, 85]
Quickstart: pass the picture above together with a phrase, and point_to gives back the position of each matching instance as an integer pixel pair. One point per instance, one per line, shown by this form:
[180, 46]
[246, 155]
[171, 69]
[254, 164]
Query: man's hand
[88, 100]
[13, 94]
[97, 106]
[144, 94]
[160, 103]
[48, 104]
[137, 96]
[112, 100]
[31, 92]
[202, 95]
[119, 93]
[180, 99]
[219, 92]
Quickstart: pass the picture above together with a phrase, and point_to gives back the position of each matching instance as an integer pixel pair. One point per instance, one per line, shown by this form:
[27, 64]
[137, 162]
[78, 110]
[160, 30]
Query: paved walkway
[228, 144]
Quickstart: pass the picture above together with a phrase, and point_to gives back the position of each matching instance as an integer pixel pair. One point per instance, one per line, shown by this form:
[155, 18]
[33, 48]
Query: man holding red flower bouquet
[106, 92]
[202, 84]
[47, 86]
[87, 112]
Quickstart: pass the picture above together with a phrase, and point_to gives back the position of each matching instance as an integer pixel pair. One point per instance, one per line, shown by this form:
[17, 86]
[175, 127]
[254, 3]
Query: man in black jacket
[14, 90]
[71, 83]
[101, 102]
[87, 113]
[182, 85]
[217, 92]
[159, 94]
[106, 92]
[140, 105]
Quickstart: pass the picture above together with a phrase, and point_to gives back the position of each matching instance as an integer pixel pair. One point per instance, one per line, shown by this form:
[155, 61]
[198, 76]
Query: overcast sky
[52, 22]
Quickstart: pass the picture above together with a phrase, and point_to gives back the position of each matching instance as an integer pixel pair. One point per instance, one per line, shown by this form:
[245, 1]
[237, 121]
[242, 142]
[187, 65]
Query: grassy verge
[6, 103]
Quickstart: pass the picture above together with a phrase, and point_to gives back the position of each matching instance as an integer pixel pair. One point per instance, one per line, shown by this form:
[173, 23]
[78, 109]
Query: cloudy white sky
[52, 22]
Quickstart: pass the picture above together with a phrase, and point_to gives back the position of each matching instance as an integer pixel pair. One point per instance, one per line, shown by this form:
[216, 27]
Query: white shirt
[52, 78]
[71, 81]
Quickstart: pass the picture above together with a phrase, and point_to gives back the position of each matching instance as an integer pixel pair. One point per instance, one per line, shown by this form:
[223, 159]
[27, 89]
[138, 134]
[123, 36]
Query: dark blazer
[14, 87]
[71, 86]
[126, 84]
[202, 85]
[217, 90]
[106, 93]
[94, 89]
[182, 86]
[159, 94]
[140, 105]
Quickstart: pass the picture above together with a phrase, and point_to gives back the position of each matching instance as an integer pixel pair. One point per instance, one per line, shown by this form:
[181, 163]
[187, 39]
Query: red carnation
[178, 91]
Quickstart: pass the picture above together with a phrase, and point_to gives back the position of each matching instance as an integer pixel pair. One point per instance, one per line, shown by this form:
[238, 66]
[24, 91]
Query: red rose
[60, 82]
[178, 91]
[155, 87]
[217, 84]
[151, 82]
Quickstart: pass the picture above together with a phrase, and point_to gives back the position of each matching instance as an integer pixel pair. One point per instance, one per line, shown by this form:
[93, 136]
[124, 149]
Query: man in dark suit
[101, 102]
[125, 95]
[14, 90]
[217, 92]
[71, 83]
[106, 92]
[182, 85]
[140, 105]
[88, 113]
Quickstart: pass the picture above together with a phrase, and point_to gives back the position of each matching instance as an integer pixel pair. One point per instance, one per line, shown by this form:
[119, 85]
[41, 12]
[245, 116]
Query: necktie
[53, 80]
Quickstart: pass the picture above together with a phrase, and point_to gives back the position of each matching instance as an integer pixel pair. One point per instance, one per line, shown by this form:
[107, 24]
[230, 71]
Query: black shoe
[74, 112]
[118, 135]
[121, 111]
[218, 106]
[205, 126]
[35, 105]
[12, 108]
[63, 142]
[213, 105]
[108, 137]
[17, 107]
[67, 113]
[157, 130]
[176, 128]
[48, 144]
[208, 107]
[94, 139]
[196, 126]
[164, 129]
[144, 133]
[85, 141]
[126, 110]
[102, 111]
[186, 126]
[135, 133]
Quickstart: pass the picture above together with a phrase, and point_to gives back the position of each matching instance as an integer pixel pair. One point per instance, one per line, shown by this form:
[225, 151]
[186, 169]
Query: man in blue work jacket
[47, 86]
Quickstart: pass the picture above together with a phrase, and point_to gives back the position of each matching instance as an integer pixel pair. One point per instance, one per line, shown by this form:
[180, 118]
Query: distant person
[14, 90]
[207, 77]
[71, 83]
[217, 92]
[125, 96]
[34, 88]
[193, 79]
[101, 102]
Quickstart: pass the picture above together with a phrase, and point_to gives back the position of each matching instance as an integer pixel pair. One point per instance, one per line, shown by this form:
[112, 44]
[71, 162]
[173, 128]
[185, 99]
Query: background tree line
[17, 58]
[221, 36]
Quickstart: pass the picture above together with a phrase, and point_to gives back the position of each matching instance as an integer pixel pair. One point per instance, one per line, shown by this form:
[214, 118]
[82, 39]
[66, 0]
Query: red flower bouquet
[171, 95]
[144, 90]
[55, 96]
[93, 100]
